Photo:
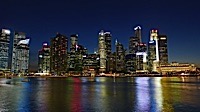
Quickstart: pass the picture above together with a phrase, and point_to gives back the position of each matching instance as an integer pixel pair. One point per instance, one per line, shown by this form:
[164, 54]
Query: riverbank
[144, 75]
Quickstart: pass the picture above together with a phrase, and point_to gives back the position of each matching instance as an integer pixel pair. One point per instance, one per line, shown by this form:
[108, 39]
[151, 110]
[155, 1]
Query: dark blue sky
[41, 19]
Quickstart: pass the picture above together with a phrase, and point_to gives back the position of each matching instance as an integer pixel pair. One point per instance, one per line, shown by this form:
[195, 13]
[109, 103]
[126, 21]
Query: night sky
[41, 19]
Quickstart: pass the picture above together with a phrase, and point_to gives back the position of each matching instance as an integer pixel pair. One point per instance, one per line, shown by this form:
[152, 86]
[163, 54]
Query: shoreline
[102, 76]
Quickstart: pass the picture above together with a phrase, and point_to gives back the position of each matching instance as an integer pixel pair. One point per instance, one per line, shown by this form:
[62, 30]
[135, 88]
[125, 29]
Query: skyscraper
[138, 33]
[20, 53]
[141, 58]
[108, 43]
[153, 51]
[133, 45]
[73, 52]
[163, 51]
[109, 56]
[73, 42]
[58, 59]
[102, 51]
[44, 59]
[120, 57]
[130, 62]
[4, 49]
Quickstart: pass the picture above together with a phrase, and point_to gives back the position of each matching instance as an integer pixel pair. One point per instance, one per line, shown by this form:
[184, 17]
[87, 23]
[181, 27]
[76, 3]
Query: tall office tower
[58, 59]
[4, 49]
[102, 51]
[73, 43]
[120, 57]
[73, 51]
[133, 45]
[130, 63]
[44, 59]
[90, 63]
[108, 52]
[20, 54]
[163, 51]
[153, 51]
[138, 33]
[108, 42]
[78, 60]
[141, 58]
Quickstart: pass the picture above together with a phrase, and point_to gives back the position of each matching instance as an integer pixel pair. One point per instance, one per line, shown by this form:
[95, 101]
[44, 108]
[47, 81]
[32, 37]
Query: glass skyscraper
[20, 53]
[58, 59]
[4, 48]
[44, 59]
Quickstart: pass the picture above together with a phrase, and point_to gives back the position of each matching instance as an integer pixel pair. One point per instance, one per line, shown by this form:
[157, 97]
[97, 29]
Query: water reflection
[143, 94]
[101, 94]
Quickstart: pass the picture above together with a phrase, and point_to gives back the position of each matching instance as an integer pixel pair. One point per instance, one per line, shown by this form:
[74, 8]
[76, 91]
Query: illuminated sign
[6, 31]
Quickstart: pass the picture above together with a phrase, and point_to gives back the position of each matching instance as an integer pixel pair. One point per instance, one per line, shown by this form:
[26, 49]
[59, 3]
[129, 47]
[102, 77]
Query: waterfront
[101, 94]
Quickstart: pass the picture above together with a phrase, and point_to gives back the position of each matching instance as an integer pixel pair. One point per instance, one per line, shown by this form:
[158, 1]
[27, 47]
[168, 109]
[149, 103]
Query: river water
[101, 94]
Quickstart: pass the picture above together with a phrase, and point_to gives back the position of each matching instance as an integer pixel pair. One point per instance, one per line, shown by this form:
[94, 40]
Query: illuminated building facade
[90, 63]
[20, 53]
[153, 51]
[58, 59]
[80, 53]
[177, 67]
[138, 33]
[4, 49]
[141, 58]
[77, 52]
[120, 57]
[163, 51]
[111, 64]
[44, 59]
[130, 63]
[73, 43]
[102, 52]
[73, 52]
[133, 45]
[109, 56]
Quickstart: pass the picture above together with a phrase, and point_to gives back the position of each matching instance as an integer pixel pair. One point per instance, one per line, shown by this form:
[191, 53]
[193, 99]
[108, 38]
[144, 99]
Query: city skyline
[178, 20]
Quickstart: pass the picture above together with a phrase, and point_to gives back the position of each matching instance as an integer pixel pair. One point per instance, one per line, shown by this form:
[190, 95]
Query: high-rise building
[58, 59]
[138, 33]
[4, 49]
[20, 53]
[163, 51]
[108, 43]
[44, 59]
[141, 58]
[73, 52]
[90, 63]
[80, 53]
[73, 43]
[102, 51]
[133, 45]
[109, 56]
[133, 61]
[120, 57]
[153, 51]
[130, 63]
